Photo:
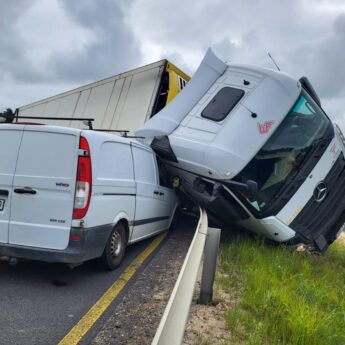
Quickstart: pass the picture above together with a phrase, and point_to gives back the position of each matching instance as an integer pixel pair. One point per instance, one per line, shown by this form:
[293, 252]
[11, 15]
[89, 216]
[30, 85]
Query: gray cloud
[323, 60]
[14, 60]
[114, 48]
[305, 37]
[101, 45]
[73, 42]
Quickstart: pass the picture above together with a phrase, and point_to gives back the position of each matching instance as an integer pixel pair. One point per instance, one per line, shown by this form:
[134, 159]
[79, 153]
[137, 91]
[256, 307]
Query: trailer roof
[101, 82]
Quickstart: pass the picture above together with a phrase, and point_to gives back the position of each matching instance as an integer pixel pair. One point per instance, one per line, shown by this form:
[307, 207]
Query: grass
[283, 297]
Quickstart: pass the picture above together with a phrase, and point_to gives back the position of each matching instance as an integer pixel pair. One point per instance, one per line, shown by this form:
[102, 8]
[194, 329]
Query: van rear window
[116, 162]
[47, 154]
[144, 165]
[222, 103]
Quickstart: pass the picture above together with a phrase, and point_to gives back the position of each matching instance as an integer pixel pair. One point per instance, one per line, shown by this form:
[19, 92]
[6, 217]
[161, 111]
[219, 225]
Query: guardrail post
[209, 267]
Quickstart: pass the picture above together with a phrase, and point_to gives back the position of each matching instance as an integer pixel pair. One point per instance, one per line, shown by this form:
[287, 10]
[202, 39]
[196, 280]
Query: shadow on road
[60, 275]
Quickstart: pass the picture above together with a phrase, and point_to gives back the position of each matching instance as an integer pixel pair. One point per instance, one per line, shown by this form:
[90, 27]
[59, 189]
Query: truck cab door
[10, 138]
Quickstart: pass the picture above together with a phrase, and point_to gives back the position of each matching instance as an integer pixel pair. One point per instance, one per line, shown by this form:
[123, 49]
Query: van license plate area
[2, 204]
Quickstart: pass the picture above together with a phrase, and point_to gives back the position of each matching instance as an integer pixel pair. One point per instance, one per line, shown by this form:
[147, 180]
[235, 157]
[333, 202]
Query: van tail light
[84, 181]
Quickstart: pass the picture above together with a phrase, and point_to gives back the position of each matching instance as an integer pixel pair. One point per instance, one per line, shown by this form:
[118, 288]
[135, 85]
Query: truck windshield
[280, 159]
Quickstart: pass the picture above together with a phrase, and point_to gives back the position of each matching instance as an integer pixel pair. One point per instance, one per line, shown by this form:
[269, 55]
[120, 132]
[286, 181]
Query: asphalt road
[40, 302]
[136, 317]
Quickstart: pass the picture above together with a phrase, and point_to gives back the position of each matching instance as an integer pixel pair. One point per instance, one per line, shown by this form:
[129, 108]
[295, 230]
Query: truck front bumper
[320, 222]
[90, 245]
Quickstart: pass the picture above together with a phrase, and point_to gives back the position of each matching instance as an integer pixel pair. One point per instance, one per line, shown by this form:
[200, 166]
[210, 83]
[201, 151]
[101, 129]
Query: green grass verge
[283, 297]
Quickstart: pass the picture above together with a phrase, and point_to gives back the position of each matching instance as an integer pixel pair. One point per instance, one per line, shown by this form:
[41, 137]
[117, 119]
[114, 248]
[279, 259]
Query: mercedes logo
[320, 192]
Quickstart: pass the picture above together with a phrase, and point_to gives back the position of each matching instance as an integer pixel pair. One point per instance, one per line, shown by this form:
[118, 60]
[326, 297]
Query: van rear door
[10, 138]
[44, 187]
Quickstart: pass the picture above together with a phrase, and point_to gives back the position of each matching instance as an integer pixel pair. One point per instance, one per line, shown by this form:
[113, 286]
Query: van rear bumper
[90, 246]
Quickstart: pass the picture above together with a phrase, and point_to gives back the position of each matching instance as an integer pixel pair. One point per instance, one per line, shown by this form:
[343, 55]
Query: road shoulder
[137, 316]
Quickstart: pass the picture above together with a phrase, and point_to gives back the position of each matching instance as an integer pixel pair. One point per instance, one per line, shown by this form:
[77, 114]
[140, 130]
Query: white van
[70, 195]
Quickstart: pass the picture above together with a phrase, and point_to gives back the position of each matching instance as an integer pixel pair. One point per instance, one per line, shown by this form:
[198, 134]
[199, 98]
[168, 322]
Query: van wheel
[115, 248]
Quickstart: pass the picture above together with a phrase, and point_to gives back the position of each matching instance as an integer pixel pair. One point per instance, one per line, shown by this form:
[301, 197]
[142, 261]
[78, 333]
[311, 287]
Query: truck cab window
[222, 103]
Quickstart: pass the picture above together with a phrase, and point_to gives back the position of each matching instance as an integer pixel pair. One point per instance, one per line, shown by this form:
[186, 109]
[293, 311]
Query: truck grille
[324, 218]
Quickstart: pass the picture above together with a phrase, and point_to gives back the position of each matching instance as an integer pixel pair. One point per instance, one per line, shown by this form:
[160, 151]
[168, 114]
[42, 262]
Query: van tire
[115, 248]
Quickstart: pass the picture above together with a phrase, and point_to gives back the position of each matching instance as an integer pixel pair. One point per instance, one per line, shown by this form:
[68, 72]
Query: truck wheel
[115, 248]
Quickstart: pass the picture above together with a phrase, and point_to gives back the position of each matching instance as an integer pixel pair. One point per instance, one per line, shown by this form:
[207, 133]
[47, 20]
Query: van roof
[61, 129]
[110, 136]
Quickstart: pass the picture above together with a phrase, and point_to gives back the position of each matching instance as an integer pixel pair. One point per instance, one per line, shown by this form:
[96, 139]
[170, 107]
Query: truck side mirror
[252, 188]
[306, 85]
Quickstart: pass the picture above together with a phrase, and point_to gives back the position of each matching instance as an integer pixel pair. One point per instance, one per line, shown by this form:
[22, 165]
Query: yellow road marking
[95, 312]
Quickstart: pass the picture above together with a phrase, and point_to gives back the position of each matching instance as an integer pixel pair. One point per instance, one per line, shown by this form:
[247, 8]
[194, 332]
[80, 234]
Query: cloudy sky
[50, 46]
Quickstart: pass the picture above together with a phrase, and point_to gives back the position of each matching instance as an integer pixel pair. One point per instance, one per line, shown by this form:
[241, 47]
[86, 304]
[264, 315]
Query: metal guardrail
[172, 326]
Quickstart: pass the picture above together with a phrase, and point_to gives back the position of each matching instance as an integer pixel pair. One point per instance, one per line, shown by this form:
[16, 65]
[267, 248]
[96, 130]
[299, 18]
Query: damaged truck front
[254, 147]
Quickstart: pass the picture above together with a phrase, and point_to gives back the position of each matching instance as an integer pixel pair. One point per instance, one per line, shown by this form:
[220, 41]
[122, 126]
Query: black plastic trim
[90, 246]
[311, 91]
[162, 93]
[161, 146]
[125, 194]
[149, 220]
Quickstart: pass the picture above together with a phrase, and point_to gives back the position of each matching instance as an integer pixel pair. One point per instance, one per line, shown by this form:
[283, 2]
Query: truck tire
[115, 248]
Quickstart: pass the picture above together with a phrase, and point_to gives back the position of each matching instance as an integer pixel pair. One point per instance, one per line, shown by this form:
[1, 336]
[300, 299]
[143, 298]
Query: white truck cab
[254, 147]
[71, 195]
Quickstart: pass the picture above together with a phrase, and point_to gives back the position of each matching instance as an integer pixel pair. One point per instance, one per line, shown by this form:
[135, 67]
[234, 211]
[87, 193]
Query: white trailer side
[121, 102]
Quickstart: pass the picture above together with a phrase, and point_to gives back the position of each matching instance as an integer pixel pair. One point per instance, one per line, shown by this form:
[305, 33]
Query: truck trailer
[121, 102]
[254, 147]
